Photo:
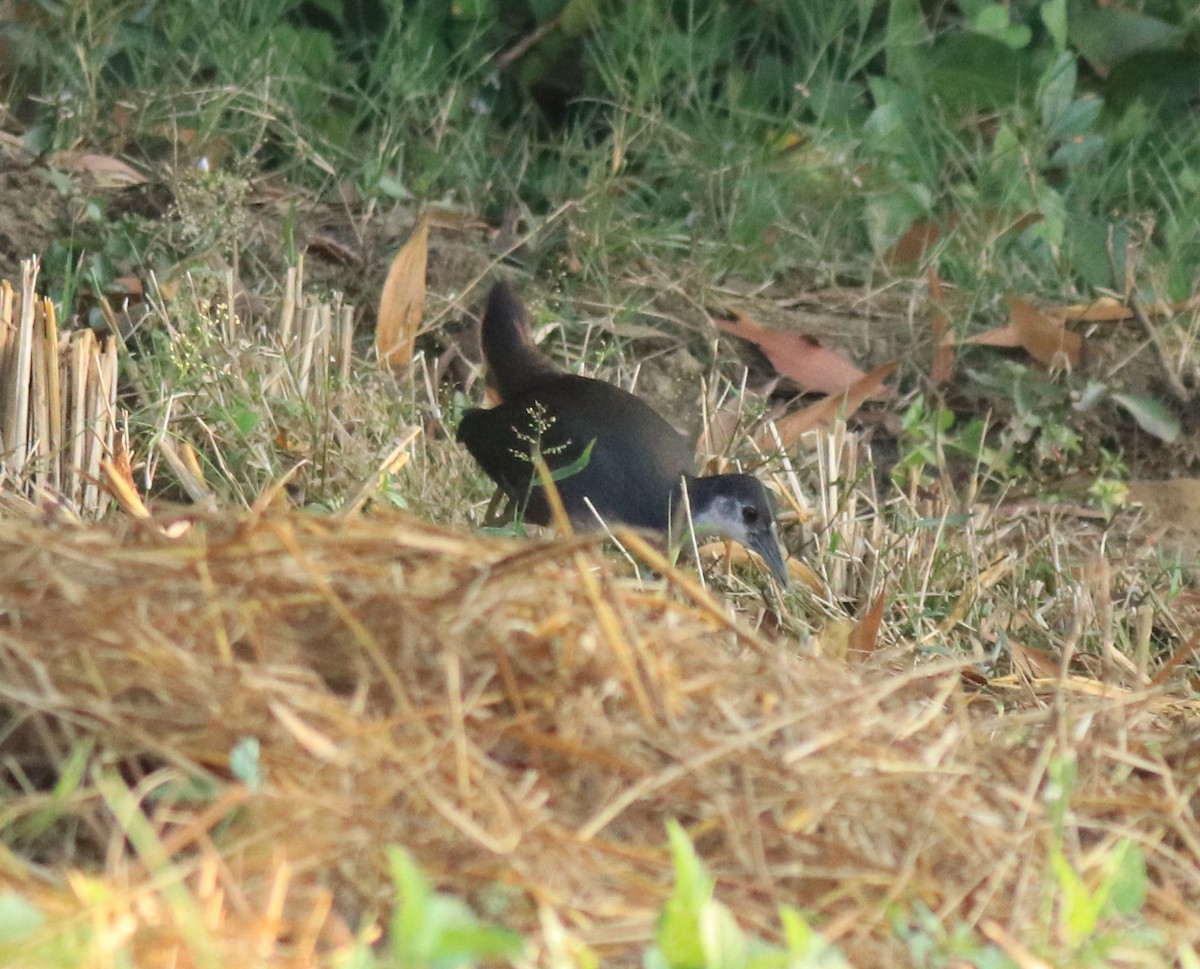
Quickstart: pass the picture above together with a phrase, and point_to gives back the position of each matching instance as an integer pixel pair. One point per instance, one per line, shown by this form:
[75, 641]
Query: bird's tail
[514, 362]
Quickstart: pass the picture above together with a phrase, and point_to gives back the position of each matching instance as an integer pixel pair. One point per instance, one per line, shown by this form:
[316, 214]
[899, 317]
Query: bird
[614, 457]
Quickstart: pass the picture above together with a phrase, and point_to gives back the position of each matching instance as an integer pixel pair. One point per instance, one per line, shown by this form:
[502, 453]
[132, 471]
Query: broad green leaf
[1151, 415]
[1054, 16]
[678, 934]
[1158, 78]
[1056, 89]
[1079, 909]
[904, 44]
[1106, 35]
[1077, 151]
[19, 919]
[1077, 118]
[724, 942]
[995, 21]
[807, 944]
[1128, 882]
[413, 930]
[976, 70]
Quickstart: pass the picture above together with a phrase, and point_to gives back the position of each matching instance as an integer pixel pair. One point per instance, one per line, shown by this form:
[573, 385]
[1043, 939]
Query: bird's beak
[766, 546]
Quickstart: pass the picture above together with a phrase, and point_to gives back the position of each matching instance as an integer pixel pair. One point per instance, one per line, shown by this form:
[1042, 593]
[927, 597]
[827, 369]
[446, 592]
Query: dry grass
[58, 415]
[524, 716]
[525, 721]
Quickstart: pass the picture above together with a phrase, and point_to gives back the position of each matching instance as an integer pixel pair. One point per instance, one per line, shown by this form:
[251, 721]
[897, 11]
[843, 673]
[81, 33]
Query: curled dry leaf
[1042, 334]
[1107, 309]
[814, 367]
[402, 302]
[108, 172]
[864, 637]
[941, 368]
[828, 409]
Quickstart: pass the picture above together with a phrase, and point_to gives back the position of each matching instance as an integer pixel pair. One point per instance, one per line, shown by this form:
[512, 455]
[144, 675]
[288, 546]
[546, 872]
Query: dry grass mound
[525, 721]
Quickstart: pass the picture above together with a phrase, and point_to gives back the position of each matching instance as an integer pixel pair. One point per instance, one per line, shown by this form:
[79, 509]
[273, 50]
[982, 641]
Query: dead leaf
[828, 409]
[402, 302]
[941, 368]
[119, 477]
[1104, 309]
[1042, 334]
[106, 171]
[910, 247]
[814, 367]
[864, 637]
[924, 234]
[1045, 337]
[1002, 336]
[1107, 309]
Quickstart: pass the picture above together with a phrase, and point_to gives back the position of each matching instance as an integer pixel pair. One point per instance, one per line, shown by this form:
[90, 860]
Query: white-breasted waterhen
[637, 465]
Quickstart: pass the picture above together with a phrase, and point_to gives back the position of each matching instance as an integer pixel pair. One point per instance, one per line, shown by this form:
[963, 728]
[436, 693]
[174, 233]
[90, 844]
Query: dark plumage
[638, 463]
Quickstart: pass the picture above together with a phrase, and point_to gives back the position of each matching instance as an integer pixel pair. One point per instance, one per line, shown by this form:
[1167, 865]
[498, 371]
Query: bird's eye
[749, 514]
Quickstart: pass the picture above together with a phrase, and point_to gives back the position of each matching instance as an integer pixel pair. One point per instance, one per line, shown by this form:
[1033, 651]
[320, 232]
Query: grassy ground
[965, 737]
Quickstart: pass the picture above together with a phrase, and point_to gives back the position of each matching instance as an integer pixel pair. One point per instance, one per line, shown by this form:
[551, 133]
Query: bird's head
[738, 507]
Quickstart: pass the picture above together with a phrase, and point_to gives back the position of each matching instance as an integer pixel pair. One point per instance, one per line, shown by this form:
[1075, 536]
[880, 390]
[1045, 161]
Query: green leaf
[1077, 151]
[433, 930]
[581, 462]
[975, 70]
[245, 420]
[1151, 415]
[1058, 790]
[1106, 35]
[244, 764]
[905, 42]
[1161, 78]
[1128, 881]
[1056, 89]
[807, 945]
[1077, 118]
[19, 919]
[723, 941]
[1079, 909]
[413, 930]
[1054, 16]
[678, 935]
[1086, 249]
[995, 21]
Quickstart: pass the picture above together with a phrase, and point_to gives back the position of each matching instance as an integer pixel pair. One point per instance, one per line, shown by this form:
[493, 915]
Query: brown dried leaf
[1002, 336]
[108, 172]
[941, 368]
[829, 408]
[814, 367]
[864, 637]
[910, 247]
[1106, 309]
[402, 302]
[1044, 336]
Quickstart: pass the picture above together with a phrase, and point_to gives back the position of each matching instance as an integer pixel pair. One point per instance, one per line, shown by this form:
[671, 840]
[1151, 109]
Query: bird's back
[635, 463]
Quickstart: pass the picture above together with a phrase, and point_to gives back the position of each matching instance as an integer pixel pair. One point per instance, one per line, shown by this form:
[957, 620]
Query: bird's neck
[685, 497]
